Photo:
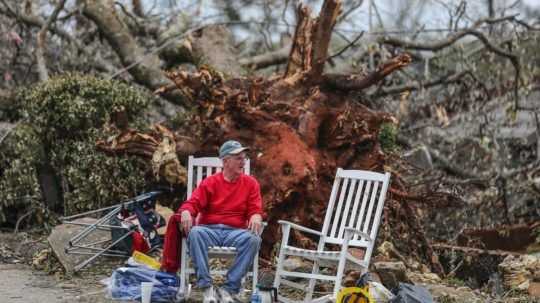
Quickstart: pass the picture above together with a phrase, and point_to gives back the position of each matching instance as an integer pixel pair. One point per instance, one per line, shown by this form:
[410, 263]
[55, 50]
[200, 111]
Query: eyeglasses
[239, 158]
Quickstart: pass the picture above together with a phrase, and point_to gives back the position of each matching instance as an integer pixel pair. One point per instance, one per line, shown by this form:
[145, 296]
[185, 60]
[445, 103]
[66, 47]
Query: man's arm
[255, 209]
[191, 207]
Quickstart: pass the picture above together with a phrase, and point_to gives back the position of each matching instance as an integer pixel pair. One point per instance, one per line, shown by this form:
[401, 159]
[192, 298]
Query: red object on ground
[170, 261]
[139, 243]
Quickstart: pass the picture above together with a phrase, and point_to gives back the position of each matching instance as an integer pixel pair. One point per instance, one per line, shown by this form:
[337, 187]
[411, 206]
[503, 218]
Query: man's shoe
[209, 296]
[225, 296]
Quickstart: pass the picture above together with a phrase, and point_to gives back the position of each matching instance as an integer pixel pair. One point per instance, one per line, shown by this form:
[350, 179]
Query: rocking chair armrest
[299, 227]
[356, 231]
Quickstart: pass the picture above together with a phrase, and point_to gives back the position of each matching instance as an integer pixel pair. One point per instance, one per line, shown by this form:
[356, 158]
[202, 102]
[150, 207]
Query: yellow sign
[355, 295]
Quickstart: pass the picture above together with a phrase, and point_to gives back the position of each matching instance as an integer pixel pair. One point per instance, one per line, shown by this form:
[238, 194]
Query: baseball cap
[231, 147]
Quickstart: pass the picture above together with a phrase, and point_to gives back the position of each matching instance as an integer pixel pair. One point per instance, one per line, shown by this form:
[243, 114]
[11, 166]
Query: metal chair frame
[78, 244]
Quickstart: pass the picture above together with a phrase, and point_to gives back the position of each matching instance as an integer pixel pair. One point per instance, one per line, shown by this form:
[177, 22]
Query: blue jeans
[203, 236]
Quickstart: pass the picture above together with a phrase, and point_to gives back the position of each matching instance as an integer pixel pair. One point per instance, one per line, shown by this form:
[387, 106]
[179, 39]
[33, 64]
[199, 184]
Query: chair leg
[255, 276]
[311, 285]
[339, 274]
[184, 276]
[277, 277]
[279, 269]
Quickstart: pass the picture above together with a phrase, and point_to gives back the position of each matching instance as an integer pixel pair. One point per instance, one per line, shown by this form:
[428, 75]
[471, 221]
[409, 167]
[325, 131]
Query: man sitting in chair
[229, 209]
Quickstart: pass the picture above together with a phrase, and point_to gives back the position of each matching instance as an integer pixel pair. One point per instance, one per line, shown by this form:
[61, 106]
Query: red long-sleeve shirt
[219, 201]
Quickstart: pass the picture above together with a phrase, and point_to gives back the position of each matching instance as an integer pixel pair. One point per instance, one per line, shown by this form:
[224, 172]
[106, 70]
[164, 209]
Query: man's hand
[255, 224]
[186, 221]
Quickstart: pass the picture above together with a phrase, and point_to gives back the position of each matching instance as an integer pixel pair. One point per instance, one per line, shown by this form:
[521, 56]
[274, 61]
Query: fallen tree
[301, 126]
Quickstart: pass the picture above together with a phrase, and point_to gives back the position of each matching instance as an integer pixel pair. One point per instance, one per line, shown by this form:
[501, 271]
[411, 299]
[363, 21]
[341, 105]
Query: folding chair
[120, 232]
[198, 169]
[352, 220]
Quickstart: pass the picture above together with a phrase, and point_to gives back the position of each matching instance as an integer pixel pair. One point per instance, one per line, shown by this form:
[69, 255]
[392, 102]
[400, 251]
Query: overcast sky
[434, 13]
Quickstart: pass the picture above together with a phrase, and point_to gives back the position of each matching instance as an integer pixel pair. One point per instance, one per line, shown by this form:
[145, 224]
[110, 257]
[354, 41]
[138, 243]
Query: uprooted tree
[300, 125]
[468, 100]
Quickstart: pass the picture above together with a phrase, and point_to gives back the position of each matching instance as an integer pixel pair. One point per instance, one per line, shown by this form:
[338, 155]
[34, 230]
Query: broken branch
[355, 82]
[447, 79]
[36, 21]
[268, 59]
[451, 40]
[143, 67]
[352, 43]
[41, 36]
[300, 56]
[321, 37]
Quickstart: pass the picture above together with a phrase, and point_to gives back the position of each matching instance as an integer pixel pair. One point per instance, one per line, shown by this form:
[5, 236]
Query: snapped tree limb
[276, 57]
[355, 82]
[436, 46]
[300, 56]
[38, 22]
[41, 36]
[447, 79]
[321, 36]
[143, 67]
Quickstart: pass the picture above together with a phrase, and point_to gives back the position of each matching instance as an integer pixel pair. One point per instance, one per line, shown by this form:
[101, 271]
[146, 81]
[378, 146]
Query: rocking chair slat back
[352, 219]
[354, 210]
[356, 201]
[344, 219]
[201, 168]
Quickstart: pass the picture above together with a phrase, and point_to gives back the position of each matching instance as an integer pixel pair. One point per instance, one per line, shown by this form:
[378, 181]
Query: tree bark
[35, 21]
[299, 60]
[276, 57]
[354, 82]
[138, 8]
[49, 183]
[143, 67]
[41, 36]
[323, 32]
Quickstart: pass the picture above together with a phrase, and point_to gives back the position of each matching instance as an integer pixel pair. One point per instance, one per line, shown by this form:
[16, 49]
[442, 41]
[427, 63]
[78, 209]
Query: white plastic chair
[198, 169]
[352, 220]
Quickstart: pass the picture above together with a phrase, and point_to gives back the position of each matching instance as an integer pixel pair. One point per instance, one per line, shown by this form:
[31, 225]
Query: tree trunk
[146, 73]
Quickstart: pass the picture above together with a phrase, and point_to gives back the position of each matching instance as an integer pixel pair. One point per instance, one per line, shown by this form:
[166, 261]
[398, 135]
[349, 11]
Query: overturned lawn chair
[352, 220]
[198, 169]
[117, 220]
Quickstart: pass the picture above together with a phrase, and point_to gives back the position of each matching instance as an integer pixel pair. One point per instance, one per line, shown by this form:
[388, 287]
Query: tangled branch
[437, 46]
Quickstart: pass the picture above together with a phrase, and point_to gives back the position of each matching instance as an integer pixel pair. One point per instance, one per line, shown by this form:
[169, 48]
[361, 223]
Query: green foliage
[63, 118]
[69, 107]
[387, 136]
[18, 179]
[95, 179]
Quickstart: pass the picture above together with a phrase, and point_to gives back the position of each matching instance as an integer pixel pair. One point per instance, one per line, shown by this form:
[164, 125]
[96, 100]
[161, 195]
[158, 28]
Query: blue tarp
[125, 284]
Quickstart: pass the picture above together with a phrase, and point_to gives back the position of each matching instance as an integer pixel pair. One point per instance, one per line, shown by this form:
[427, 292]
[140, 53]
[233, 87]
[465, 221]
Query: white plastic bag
[379, 293]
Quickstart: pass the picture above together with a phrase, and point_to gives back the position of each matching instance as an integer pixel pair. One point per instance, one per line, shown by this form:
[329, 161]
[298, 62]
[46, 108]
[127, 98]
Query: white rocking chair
[352, 220]
[198, 169]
